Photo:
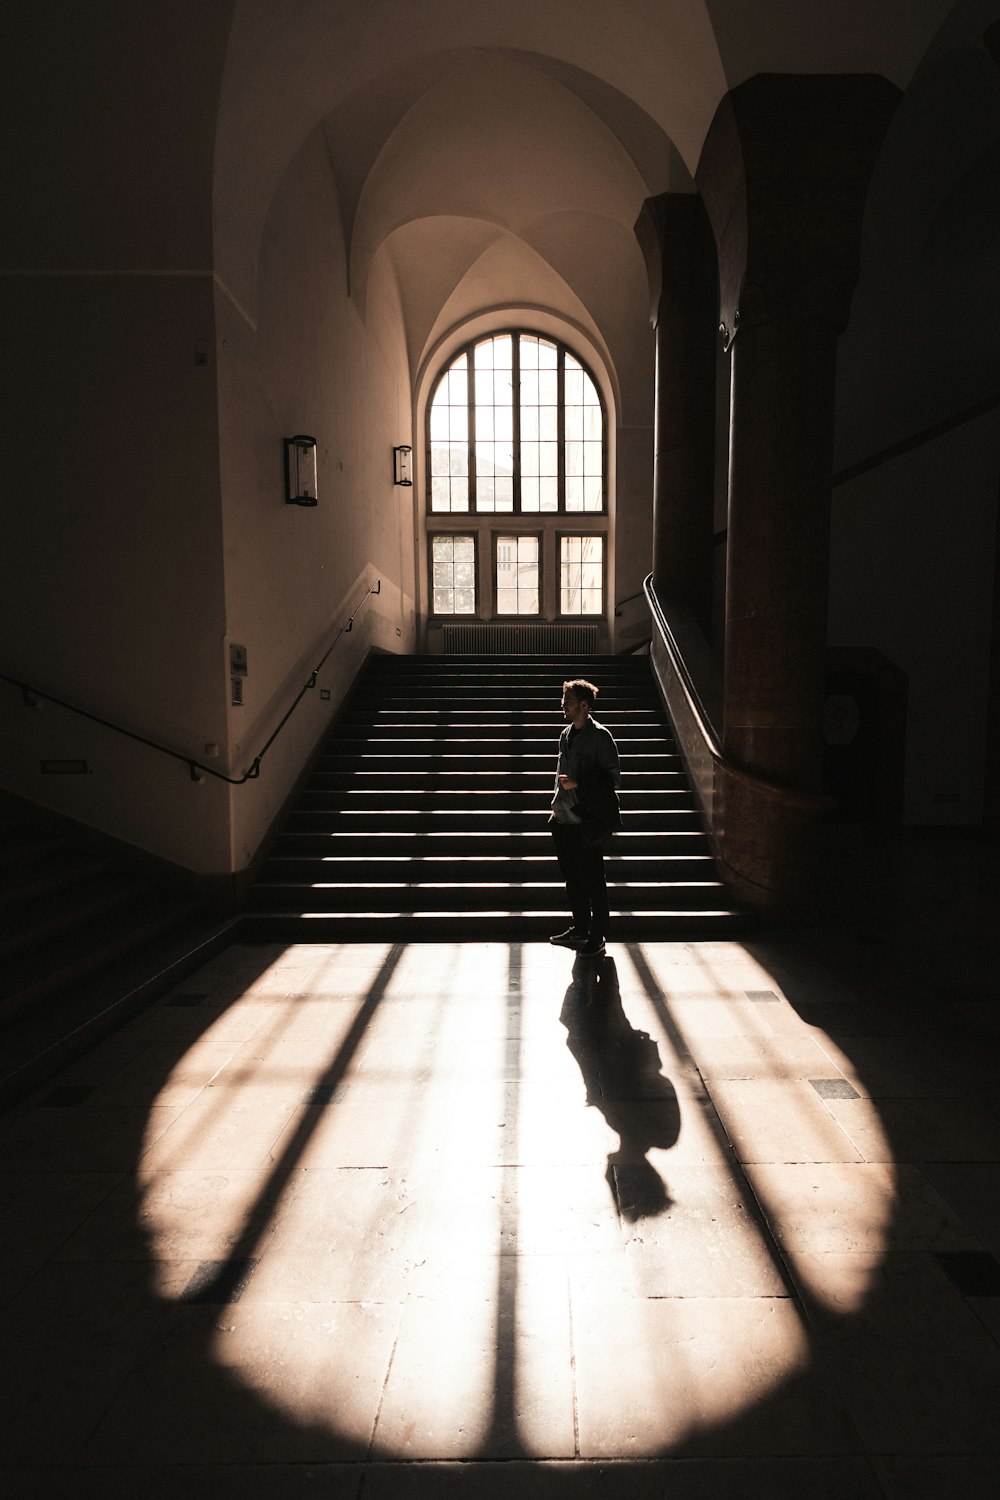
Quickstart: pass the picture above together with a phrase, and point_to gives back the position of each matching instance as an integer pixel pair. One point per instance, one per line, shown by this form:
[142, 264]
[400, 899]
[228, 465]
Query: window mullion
[471, 399]
[561, 430]
[515, 397]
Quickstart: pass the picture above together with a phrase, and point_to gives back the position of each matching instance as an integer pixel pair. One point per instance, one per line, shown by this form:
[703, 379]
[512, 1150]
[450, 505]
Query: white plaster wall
[295, 574]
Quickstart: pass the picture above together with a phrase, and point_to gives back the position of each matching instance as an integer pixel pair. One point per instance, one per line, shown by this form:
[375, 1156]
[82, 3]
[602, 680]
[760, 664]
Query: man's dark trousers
[582, 869]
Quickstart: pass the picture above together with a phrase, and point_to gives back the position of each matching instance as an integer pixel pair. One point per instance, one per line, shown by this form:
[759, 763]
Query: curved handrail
[713, 744]
[33, 694]
[703, 722]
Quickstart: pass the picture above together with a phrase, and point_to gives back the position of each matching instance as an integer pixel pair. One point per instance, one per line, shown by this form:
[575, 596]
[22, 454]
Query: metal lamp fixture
[300, 470]
[402, 465]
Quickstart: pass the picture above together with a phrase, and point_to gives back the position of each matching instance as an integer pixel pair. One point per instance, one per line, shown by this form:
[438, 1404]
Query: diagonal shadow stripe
[728, 1158]
[230, 1271]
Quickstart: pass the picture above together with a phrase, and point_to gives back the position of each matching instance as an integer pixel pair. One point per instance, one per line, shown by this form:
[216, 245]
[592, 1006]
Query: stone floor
[695, 1221]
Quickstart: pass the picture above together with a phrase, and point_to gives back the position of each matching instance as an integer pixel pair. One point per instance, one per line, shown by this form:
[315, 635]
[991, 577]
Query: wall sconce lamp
[300, 470]
[402, 465]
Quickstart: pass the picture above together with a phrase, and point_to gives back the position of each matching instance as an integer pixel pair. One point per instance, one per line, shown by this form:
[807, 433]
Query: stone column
[676, 238]
[784, 173]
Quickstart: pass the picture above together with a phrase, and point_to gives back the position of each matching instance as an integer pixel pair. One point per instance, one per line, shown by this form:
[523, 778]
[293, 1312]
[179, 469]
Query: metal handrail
[775, 790]
[699, 713]
[32, 695]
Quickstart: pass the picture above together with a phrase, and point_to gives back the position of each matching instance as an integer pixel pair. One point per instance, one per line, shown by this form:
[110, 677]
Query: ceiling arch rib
[505, 272]
[499, 141]
[284, 76]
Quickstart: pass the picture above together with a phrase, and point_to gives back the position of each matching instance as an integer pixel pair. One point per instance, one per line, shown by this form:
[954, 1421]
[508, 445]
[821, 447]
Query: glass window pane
[453, 575]
[591, 458]
[529, 493]
[549, 494]
[548, 422]
[574, 423]
[517, 575]
[593, 494]
[581, 575]
[459, 494]
[457, 384]
[548, 458]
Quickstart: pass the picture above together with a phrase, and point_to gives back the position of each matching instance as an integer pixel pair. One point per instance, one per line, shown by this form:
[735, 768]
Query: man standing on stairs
[585, 813]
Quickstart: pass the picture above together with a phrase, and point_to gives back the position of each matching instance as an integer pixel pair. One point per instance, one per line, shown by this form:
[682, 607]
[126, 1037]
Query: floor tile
[157, 1073]
[185, 1215]
[254, 1383]
[707, 1242]
[761, 1057]
[944, 1396]
[931, 1476]
[681, 1373]
[972, 1190]
[908, 1130]
[81, 1140]
[666, 1479]
[857, 1206]
[484, 1370]
[780, 1122]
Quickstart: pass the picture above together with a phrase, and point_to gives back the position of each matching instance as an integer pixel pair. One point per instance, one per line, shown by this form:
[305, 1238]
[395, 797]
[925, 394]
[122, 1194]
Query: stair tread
[426, 810]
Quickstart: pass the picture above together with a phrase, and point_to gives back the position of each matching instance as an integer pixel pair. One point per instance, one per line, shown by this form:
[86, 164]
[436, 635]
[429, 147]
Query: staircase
[425, 816]
[88, 933]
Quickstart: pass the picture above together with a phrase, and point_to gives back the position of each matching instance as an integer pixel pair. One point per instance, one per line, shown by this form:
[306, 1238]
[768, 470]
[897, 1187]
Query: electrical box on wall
[237, 692]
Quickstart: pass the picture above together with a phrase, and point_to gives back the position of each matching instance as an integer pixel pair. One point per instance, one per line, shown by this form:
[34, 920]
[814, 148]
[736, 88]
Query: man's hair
[581, 688]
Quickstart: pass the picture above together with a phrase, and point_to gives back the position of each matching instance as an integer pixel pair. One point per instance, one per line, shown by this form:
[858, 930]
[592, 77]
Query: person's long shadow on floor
[621, 1070]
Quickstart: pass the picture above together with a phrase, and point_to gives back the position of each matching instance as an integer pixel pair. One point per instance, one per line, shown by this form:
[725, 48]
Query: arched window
[517, 494]
[516, 426]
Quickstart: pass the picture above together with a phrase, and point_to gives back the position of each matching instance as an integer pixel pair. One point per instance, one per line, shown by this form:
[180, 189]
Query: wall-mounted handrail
[33, 695]
[916, 440]
[627, 600]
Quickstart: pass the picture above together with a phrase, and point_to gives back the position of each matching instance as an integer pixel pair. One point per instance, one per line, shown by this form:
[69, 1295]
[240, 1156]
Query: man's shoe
[592, 948]
[571, 938]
